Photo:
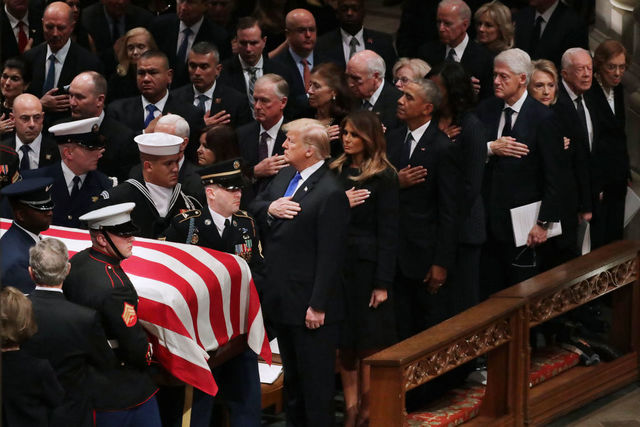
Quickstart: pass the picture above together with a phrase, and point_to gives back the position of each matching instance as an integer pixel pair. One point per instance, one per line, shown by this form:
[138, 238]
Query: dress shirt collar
[68, 176]
[35, 150]
[35, 237]
[297, 58]
[374, 97]
[48, 289]
[259, 65]
[419, 131]
[159, 105]
[194, 28]
[306, 173]
[218, 220]
[61, 55]
[14, 21]
[273, 132]
[517, 106]
[546, 15]
[208, 93]
[346, 37]
[459, 50]
[101, 118]
[572, 94]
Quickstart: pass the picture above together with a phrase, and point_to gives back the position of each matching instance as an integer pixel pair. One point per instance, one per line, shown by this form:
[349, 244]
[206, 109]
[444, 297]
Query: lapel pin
[423, 149]
[47, 156]
[306, 188]
[217, 100]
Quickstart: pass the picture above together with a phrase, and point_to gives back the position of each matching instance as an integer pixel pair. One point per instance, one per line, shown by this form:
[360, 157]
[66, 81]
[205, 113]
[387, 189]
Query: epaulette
[242, 214]
[188, 214]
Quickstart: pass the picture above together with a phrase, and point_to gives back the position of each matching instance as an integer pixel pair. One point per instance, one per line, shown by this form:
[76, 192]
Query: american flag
[192, 300]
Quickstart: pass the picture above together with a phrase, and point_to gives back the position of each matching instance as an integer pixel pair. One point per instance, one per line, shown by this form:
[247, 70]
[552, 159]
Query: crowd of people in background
[367, 179]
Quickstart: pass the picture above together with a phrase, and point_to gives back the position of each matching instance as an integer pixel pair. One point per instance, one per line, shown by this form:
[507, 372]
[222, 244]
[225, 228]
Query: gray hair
[205, 48]
[429, 92]
[569, 54]
[181, 125]
[280, 85]
[375, 64]
[312, 133]
[463, 9]
[417, 66]
[518, 61]
[49, 262]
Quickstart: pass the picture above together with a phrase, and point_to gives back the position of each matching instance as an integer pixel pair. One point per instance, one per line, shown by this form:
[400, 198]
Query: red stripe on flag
[235, 273]
[162, 315]
[254, 308]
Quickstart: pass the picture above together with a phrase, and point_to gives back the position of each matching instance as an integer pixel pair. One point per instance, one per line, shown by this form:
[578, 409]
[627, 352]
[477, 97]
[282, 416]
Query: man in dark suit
[217, 103]
[365, 77]
[522, 169]
[35, 149]
[21, 28]
[260, 142]
[154, 78]
[32, 208]
[86, 96]
[301, 56]
[304, 215]
[176, 33]
[57, 61]
[339, 45]
[454, 44]
[242, 71]
[70, 336]
[429, 176]
[547, 28]
[76, 182]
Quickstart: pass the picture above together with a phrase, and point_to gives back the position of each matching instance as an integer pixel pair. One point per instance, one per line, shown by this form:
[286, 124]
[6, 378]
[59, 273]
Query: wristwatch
[543, 224]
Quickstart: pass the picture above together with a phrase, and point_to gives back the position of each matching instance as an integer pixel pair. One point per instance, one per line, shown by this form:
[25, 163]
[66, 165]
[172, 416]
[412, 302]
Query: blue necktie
[150, 116]
[201, 104]
[24, 162]
[51, 74]
[293, 184]
[182, 50]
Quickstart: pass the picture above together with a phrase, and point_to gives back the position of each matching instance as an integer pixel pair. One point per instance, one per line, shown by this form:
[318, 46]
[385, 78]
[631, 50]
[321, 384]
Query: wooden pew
[612, 269]
[493, 327]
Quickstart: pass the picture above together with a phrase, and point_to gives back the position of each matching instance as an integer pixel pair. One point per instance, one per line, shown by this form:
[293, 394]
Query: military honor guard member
[223, 227]
[76, 180]
[32, 207]
[126, 394]
[158, 195]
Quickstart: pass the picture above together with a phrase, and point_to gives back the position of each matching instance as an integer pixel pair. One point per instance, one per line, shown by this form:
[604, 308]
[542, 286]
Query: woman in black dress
[371, 183]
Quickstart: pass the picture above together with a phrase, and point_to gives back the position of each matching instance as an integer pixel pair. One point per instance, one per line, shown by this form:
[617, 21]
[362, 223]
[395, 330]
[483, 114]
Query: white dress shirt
[194, 31]
[208, 93]
[69, 175]
[61, 55]
[159, 105]
[346, 42]
[13, 21]
[218, 220]
[273, 134]
[306, 173]
[545, 17]
[416, 134]
[573, 97]
[459, 50]
[34, 153]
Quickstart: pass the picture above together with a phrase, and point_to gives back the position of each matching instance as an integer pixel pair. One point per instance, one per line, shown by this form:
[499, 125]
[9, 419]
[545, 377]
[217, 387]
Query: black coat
[224, 98]
[49, 153]
[8, 38]
[96, 280]
[564, 30]
[121, 151]
[386, 106]
[232, 74]
[14, 262]
[476, 60]
[303, 255]
[297, 91]
[511, 182]
[428, 210]
[71, 337]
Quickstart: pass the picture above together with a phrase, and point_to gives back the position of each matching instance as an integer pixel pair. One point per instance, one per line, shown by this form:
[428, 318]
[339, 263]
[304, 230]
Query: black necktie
[451, 56]
[263, 148]
[181, 56]
[226, 234]
[406, 151]
[582, 116]
[24, 163]
[76, 186]
[202, 106]
[537, 33]
[506, 130]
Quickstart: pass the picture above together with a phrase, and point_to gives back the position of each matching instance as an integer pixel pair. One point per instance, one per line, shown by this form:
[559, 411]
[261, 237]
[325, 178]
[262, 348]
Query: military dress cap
[227, 174]
[83, 132]
[158, 143]
[115, 219]
[33, 192]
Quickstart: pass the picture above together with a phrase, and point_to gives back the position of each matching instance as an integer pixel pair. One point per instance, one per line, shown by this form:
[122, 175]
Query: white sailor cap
[83, 132]
[115, 219]
[158, 143]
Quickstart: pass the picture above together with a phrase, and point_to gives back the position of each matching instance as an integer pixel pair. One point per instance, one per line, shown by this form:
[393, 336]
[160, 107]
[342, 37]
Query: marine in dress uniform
[32, 207]
[96, 280]
[223, 227]
[158, 196]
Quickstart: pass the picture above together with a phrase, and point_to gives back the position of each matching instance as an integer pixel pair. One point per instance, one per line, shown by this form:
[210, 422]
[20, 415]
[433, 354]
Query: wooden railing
[499, 327]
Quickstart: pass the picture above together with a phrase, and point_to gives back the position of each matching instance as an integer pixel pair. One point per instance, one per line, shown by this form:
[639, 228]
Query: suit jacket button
[69, 217]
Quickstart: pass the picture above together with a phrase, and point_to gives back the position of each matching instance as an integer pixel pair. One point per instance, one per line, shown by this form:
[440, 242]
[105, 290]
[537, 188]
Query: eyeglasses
[614, 67]
[404, 80]
[524, 261]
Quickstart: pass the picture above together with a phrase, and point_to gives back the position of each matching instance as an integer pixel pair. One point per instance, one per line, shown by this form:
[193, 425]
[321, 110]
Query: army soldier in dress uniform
[30, 200]
[125, 394]
[158, 196]
[223, 227]
[9, 173]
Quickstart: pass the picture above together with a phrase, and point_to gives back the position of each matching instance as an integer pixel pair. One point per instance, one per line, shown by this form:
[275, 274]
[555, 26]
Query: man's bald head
[301, 31]
[57, 25]
[87, 92]
[28, 115]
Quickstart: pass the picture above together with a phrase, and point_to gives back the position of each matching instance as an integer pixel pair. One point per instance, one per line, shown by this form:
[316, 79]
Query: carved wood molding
[465, 349]
[584, 291]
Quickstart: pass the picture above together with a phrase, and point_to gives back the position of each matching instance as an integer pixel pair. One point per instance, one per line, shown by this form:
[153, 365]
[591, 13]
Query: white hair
[375, 64]
[518, 61]
[569, 54]
[181, 125]
[463, 9]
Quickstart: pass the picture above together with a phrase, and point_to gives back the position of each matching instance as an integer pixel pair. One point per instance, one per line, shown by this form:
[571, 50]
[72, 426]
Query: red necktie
[306, 73]
[22, 37]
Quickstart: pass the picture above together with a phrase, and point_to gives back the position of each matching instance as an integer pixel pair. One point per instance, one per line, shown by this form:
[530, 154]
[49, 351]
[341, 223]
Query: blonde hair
[312, 133]
[120, 48]
[419, 67]
[501, 16]
[17, 321]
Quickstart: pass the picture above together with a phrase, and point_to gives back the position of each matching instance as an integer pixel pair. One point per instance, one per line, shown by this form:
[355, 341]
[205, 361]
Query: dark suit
[14, 259]
[511, 182]
[129, 112]
[67, 210]
[386, 106]
[165, 30]
[303, 263]
[232, 74]
[248, 141]
[49, 153]
[224, 98]
[121, 151]
[297, 91]
[8, 38]
[71, 337]
[428, 220]
[564, 30]
[476, 60]
[330, 45]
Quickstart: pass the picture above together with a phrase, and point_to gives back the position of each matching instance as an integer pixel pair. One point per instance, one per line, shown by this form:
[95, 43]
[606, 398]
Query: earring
[333, 98]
